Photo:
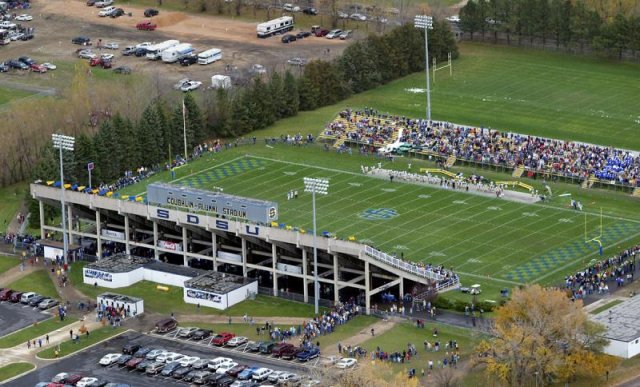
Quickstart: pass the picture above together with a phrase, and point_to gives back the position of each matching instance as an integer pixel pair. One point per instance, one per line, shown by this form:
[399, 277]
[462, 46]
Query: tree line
[566, 22]
[122, 143]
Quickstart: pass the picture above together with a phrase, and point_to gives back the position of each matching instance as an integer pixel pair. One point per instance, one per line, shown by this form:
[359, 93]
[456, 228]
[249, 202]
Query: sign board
[289, 268]
[223, 205]
[202, 295]
[97, 274]
[112, 234]
[90, 166]
[170, 245]
[230, 256]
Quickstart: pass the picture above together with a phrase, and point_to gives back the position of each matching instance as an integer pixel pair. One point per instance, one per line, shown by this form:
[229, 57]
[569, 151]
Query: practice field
[478, 236]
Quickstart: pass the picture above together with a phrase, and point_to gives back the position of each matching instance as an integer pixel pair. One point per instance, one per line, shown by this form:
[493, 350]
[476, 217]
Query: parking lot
[18, 316]
[86, 362]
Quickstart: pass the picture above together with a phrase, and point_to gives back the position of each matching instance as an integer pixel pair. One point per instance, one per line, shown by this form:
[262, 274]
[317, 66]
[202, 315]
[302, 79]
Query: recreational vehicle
[275, 26]
[176, 53]
[209, 56]
[4, 37]
[154, 52]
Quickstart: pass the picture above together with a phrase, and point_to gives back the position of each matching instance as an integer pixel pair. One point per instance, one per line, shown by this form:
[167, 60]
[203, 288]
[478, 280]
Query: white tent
[220, 82]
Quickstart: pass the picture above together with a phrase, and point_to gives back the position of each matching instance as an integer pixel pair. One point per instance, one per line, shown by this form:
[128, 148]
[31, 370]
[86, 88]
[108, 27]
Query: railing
[403, 265]
[448, 284]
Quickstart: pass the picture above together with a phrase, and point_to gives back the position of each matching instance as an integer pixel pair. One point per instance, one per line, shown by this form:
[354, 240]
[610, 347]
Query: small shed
[221, 82]
[132, 306]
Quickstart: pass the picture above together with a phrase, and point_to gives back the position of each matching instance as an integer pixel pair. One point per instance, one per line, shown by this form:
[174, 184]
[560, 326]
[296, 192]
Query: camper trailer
[275, 26]
[221, 82]
[154, 52]
[4, 37]
[175, 53]
[209, 56]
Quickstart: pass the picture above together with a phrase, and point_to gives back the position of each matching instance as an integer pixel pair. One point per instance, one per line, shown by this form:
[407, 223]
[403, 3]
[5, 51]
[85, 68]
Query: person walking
[372, 332]
[71, 333]
[28, 344]
[47, 339]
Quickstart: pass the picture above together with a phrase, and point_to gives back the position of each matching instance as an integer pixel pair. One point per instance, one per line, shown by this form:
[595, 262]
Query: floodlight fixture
[426, 22]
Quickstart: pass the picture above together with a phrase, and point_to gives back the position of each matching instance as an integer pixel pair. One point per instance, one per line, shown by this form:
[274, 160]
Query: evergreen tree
[221, 114]
[291, 96]
[85, 153]
[240, 116]
[260, 105]
[194, 121]
[105, 143]
[308, 94]
[277, 96]
[147, 138]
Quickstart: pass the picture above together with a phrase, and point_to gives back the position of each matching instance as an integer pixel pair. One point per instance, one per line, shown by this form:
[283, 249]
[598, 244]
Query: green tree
[291, 96]
[277, 96]
[105, 143]
[240, 115]
[195, 122]
[308, 94]
[147, 138]
[221, 112]
[85, 153]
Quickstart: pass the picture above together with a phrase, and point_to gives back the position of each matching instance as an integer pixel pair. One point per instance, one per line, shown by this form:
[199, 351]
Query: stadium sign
[225, 205]
[203, 221]
[200, 295]
[101, 275]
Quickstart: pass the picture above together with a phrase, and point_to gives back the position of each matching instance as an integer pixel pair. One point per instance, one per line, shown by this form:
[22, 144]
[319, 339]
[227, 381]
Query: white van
[26, 297]
[215, 363]
[262, 374]
[106, 11]
[209, 56]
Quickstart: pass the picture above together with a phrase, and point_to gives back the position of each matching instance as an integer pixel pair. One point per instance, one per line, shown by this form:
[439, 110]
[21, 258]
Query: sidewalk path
[15, 274]
[379, 327]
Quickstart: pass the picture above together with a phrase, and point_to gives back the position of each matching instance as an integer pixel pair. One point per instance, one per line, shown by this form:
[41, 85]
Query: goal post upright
[435, 68]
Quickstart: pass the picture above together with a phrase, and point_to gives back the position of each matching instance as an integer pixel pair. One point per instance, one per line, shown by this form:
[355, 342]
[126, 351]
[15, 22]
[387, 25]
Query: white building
[623, 328]
[219, 290]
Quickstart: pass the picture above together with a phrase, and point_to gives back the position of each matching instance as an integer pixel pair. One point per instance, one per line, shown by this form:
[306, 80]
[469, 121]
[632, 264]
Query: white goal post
[435, 68]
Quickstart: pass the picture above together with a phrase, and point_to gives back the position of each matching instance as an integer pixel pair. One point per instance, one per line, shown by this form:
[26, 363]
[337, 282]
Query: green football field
[491, 241]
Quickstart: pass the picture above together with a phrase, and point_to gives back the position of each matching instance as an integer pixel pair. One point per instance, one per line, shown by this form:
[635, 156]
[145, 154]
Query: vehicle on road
[150, 12]
[24, 17]
[288, 38]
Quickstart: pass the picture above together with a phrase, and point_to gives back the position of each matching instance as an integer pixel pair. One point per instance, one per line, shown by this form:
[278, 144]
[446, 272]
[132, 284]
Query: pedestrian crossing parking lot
[485, 239]
[85, 363]
[15, 316]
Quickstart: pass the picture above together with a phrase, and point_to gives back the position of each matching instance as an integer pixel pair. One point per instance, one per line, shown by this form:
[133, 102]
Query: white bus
[175, 53]
[154, 52]
[275, 26]
[209, 56]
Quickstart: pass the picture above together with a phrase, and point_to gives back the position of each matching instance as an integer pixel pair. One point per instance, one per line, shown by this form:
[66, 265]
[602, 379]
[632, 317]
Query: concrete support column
[127, 247]
[156, 254]
[305, 282]
[41, 208]
[214, 250]
[274, 263]
[336, 277]
[185, 246]
[367, 284]
[99, 234]
[244, 256]
[401, 288]
[70, 229]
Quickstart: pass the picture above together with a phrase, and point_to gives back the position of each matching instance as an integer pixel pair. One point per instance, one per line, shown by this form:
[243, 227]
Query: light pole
[314, 186]
[62, 142]
[426, 22]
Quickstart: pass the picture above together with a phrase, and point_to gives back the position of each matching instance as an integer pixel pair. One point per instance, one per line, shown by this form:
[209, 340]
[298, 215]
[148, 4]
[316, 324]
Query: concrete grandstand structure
[280, 259]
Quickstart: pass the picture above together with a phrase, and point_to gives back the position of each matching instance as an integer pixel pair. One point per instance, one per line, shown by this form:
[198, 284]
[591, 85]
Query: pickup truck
[103, 3]
[146, 26]
[279, 348]
[107, 11]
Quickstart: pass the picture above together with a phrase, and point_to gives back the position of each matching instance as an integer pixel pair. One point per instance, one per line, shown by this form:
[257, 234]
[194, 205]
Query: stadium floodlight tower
[63, 143]
[426, 22]
[315, 186]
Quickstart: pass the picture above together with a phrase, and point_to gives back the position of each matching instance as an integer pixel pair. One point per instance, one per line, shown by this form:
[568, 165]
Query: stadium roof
[622, 321]
[220, 283]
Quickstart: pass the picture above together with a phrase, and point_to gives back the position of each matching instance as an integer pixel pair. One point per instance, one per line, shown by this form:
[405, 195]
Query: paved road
[85, 363]
[18, 316]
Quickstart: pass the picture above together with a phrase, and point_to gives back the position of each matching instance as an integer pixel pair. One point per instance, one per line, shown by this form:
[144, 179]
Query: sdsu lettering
[218, 224]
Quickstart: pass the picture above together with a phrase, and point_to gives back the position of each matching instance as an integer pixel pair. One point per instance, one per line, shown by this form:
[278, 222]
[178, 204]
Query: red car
[290, 352]
[278, 349]
[321, 32]
[15, 296]
[234, 371]
[38, 68]
[146, 26]
[5, 294]
[104, 63]
[133, 363]
[222, 338]
[73, 379]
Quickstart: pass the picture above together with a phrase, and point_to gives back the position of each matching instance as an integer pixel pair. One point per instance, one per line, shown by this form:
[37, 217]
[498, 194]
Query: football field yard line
[307, 165]
[484, 277]
[574, 262]
[597, 214]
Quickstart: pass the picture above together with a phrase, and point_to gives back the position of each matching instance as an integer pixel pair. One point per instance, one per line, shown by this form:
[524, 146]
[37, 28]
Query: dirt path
[379, 327]
[15, 273]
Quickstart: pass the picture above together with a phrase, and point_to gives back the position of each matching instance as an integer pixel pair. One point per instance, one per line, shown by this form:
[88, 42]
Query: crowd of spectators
[601, 276]
[536, 154]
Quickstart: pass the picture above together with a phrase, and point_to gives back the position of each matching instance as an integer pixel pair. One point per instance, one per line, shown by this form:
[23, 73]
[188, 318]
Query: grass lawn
[343, 332]
[172, 301]
[606, 306]
[397, 339]
[13, 369]
[37, 330]
[12, 197]
[38, 282]
[7, 263]
[68, 347]
[496, 243]
[7, 94]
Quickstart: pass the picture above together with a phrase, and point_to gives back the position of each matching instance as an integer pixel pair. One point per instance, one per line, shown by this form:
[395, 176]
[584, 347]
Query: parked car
[279, 348]
[224, 367]
[28, 61]
[288, 38]
[5, 294]
[258, 69]
[143, 45]
[247, 373]
[189, 60]
[87, 54]
[346, 35]
[453, 19]
[290, 352]
[24, 17]
[38, 298]
[142, 352]
[254, 346]
[112, 46]
[297, 61]
[107, 11]
[266, 347]
[26, 297]
[217, 362]
[166, 325]
[187, 361]
[4, 67]
[320, 32]
[289, 379]
[333, 34]
[310, 11]
[189, 376]
[109, 359]
[133, 363]
[86, 381]
[201, 334]
[186, 333]
[81, 40]
[25, 37]
[122, 361]
[154, 368]
[191, 85]
[180, 372]
[308, 354]
[91, 3]
[130, 348]
[60, 378]
[224, 337]
[169, 357]
[358, 17]
[150, 12]
[200, 377]
[129, 50]
[146, 26]
[200, 364]
[303, 34]
[262, 374]
[142, 51]
[7, 25]
[235, 370]
[236, 341]
[169, 368]
[100, 383]
[103, 3]
[117, 13]
[154, 353]
[142, 366]
[16, 296]
[122, 70]
[73, 379]
[220, 380]
[16, 36]
[342, 15]
[48, 303]
[346, 362]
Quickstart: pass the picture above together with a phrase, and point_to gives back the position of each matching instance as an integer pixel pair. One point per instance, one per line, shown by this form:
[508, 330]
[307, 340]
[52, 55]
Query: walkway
[379, 328]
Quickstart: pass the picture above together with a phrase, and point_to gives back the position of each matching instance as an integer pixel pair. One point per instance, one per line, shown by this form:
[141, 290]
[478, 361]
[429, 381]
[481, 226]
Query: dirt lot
[57, 22]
